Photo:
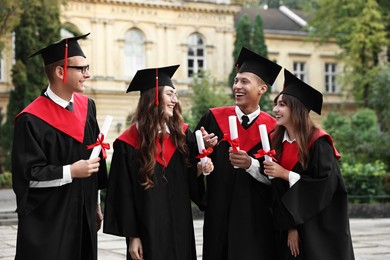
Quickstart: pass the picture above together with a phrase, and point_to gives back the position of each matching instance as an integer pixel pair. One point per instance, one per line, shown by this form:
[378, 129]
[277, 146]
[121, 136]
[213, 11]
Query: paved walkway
[370, 237]
[371, 240]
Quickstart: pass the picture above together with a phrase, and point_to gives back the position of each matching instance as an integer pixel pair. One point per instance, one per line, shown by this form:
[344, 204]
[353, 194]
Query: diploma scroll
[233, 130]
[265, 143]
[104, 130]
[201, 148]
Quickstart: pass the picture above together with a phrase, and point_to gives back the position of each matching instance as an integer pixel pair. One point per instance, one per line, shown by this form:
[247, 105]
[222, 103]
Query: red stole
[130, 136]
[248, 138]
[290, 153]
[70, 123]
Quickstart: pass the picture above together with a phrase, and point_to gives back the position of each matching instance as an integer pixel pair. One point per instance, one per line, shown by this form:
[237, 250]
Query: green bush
[364, 180]
[5, 180]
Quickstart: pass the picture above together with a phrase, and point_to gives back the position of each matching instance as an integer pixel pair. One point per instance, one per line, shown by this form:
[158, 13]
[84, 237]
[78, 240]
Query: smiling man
[55, 182]
[237, 220]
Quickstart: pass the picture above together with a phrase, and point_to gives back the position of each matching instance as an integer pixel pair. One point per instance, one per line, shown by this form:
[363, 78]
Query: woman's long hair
[152, 128]
[303, 126]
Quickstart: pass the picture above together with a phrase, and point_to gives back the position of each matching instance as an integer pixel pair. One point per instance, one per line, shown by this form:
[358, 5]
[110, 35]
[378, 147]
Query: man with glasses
[55, 182]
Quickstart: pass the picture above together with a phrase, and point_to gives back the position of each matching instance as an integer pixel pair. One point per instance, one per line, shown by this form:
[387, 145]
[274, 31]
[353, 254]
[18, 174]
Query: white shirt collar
[286, 137]
[251, 116]
[59, 101]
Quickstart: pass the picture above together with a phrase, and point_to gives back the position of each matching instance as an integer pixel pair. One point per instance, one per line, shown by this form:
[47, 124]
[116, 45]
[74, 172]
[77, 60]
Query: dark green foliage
[207, 94]
[5, 180]
[379, 97]
[364, 180]
[257, 41]
[364, 153]
[243, 39]
[38, 27]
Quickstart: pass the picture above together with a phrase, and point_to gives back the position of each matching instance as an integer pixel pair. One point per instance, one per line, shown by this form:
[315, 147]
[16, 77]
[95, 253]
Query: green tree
[380, 96]
[358, 28]
[356, 137]
[207, 93]
[258, 45]
[9, 18]
[243, 39]
[38, 27]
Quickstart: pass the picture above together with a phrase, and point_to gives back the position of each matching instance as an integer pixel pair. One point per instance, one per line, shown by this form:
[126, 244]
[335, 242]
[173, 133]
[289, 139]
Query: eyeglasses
[83, 69]
[172, 96]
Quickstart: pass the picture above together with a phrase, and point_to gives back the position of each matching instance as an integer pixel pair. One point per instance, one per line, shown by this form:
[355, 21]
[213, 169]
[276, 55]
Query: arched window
[196, 58]
[134, 52]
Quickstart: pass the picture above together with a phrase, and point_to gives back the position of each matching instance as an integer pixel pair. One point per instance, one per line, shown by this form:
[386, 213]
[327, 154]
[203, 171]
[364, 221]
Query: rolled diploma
[104, 130]
[199, 141]
[233, 129]
[265, 143]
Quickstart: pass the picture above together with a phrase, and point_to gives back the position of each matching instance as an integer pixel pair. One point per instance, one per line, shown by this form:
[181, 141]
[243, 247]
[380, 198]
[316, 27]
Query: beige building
[127, 35]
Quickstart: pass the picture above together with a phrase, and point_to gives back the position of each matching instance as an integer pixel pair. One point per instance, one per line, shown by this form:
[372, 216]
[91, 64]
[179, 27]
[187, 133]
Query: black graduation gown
[238, 219]
[317, 206]
[51, 220]
[160, 216]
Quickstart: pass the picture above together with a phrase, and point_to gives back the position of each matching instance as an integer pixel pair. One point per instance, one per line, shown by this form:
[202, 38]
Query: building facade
[128, 35]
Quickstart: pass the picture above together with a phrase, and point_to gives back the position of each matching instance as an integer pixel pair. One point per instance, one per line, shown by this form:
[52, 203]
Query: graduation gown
[52, 219]
[160, 216]
[237, 220]
[316, 205]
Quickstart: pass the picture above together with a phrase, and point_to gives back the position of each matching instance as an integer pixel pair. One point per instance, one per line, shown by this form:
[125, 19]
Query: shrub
[5, 180]
[364, 180]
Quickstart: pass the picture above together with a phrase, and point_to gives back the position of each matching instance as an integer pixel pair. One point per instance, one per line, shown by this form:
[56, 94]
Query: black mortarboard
[147, 79]
[309, 96]
[61, 50]
[56, 51]
[248, 61]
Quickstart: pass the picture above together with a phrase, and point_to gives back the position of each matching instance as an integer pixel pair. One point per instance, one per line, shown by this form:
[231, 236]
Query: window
[196, 59]
[330, 78]
[134, 50]
[299, 70]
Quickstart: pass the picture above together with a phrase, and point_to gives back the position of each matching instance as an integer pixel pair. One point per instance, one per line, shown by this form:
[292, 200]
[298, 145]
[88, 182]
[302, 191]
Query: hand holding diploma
[203, 153]
[266, 147]
[99, 145]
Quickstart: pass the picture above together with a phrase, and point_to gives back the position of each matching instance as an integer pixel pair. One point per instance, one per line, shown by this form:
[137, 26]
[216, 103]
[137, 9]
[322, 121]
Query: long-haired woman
[310, 199]
[153, 174]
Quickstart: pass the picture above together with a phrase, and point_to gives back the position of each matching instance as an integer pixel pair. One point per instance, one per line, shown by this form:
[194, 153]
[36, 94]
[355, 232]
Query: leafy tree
[356, 137]
[39, 26]
[9, 18]
[243, 39]
[207, 94]
[358, 28]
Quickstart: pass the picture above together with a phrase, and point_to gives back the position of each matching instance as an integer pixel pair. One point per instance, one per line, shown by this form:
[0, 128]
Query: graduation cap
[61, 50]
[152, 78]
[248, 61]
[309, 96]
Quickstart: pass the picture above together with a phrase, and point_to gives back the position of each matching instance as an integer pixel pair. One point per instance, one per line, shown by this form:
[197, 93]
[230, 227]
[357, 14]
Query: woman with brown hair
[310, 199]
[153, 174]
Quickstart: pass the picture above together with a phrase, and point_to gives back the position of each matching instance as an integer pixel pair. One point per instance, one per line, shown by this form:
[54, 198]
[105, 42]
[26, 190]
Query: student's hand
[209, 167]
[99, 217]
[210, 140]
[239, 159]
[84, 168]
[293, 241]
[275, 170]
[135, 248]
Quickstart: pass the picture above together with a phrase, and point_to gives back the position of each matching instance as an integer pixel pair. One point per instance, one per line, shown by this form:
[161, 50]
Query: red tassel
[65, 61]
[156, 86]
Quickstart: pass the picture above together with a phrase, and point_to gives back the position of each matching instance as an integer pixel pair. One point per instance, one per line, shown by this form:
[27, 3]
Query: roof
[278, 20]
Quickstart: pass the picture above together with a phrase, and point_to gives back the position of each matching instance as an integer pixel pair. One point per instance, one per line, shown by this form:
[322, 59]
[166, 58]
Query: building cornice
[181, 6]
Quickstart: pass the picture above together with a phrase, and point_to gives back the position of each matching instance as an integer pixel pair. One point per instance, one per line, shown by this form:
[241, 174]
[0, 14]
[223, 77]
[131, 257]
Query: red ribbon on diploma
[205, 153]
[104, 146]
[233, 143]
[260, 153]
